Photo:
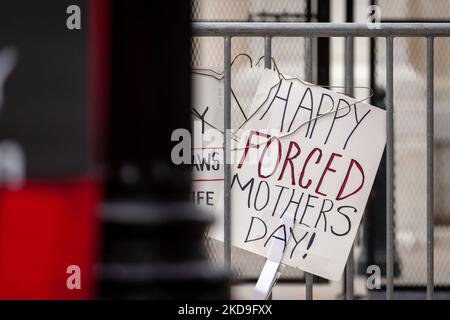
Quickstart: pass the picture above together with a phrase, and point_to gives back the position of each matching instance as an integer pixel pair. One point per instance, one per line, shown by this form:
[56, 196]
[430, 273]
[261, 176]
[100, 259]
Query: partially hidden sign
[309, 156]
[207, 144]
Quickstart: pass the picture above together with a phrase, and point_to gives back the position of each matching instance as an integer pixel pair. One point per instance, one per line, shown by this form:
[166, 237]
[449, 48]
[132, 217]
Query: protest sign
[309, 154]
[207, 144]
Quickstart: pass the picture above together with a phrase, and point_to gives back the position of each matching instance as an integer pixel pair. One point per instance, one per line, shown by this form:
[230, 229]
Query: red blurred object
[44, 228]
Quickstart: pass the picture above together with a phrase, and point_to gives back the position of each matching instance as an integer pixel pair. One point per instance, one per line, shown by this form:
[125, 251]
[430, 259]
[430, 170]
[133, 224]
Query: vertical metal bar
[430, 168]
[389, 168]
[268, 52]
[226, 146]
[349, 268]
[268, 65]
[309, 278]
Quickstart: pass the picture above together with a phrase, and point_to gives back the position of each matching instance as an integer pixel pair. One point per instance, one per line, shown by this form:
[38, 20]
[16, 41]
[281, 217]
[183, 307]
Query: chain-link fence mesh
[410, 140]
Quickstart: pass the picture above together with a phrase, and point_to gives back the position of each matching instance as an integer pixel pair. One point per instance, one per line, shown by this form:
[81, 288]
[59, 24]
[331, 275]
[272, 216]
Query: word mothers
[309, 210]
[12, 154]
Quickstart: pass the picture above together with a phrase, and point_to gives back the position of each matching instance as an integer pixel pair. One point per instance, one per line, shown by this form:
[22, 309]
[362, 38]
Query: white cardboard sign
[307, 154]
[320, 173]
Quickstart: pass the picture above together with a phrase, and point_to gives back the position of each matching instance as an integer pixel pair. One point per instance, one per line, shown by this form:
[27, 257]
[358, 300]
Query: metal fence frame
[389, 31]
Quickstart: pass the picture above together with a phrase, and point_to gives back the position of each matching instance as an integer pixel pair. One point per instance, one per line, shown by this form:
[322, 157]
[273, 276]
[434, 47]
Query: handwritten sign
[207, 144]
[309, 154]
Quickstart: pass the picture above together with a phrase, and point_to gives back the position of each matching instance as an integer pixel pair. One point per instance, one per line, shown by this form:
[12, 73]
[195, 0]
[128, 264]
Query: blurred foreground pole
[153, 237]
[49, 182]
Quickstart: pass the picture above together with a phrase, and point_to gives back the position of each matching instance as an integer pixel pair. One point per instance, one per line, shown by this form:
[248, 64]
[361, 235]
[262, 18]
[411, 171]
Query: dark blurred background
[85, 143]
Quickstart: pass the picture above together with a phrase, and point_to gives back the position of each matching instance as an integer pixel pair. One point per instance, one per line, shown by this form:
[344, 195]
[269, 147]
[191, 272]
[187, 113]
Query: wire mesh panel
[410, 76]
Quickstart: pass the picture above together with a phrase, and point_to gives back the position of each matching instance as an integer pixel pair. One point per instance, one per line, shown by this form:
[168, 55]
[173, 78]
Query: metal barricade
[348, 30]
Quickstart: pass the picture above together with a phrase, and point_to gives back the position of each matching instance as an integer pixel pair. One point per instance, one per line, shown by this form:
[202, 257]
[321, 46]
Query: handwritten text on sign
[319, 174]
